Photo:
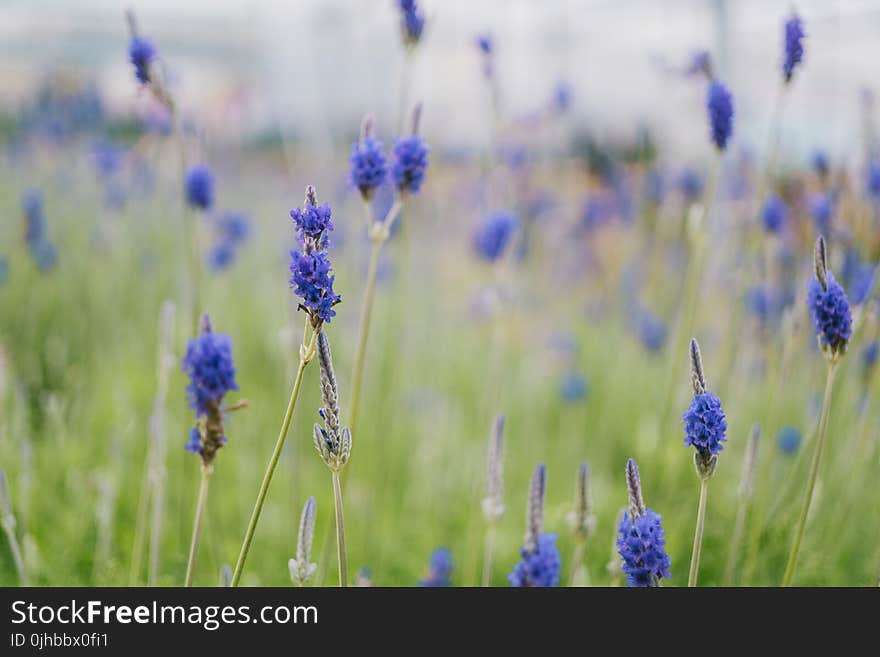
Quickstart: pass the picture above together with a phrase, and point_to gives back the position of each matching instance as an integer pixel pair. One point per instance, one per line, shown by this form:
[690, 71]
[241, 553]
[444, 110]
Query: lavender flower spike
[581, 519]
[829, 307]
[641, 541]
[794, 47]
[410, 158]
[493, 503]
[719, 104]
[540, 563]
[301, 570]
[704, 420]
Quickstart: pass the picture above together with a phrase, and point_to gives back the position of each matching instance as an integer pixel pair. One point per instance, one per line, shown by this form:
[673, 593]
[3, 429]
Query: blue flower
[211, 370]
[539, 567]
[870, 354]
[652, 331]
[789, 439]
[311, 279]
[200, 187]
[873, 181]
[641, 546]
[485, 44]
[858, 276]
[794, 48]
[719, 103]
[234, 226]
[313, 222]
[493, 235]
[440, 572]
[691, 185]
[774, 214]
[561, 97]
[759, 302]
[141, 53]
[222, 255]
[45, 255]
[107, 158]
[410, 163]
[194, 444]
[830, 311]
[822, 209]
[573, 387]
[35, 219]
[368, 165]
[820, 163]
[700, 64]
[412, 22]
[705, 424]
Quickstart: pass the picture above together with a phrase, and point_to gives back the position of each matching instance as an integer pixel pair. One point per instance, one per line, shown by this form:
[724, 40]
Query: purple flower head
[719, 104]
[821, 165]
[691, 185]
[829, 308]
[773, 214]
[234, 226]
[494, 234]
[368, 165]
[141, 53]
[822, 210]
[485, 44]
[107, 157]
[539, 567]
[211, 370]
[705, 424]
[873, 180]
[194, 444]
[410, 163]
[313, 223]
[200, 187]
[221, 255]
[641, 544]
[574, 387]
[652, 331]
[789, 439]
[870, 354]
[700, 64]
[312, 279]
[412, 22]
[561, 97]
[794, 47]
[35, 219]
[857, 276]
[440, 569]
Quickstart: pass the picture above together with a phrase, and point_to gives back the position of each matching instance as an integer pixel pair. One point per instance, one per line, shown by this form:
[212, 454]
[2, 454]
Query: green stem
[814, 473]
[9, 528]
[306, 355]
[738, 528]
[340, 531]
[197, 523]
[698, 533]
[577, 561]
[488, 554]
[366, 314]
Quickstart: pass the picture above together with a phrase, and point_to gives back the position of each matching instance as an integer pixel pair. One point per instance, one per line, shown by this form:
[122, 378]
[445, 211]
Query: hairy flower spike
[142, 53]
[641, 544]
[333, 445]
[719, 103]
[581, 519]
[301, 570]
[535, 510]
[704, 421]
[794, 47]
[412, 22]
[493, 503]
[820, 261]
[634, 490]
[698, 379]
[368, 166]
[538, 567]
[410, 159]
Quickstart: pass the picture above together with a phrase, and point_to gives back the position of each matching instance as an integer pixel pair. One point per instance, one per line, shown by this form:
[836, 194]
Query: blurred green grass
[79, 375]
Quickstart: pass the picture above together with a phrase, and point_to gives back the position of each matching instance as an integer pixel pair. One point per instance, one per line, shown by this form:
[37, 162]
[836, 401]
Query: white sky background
[315, 66]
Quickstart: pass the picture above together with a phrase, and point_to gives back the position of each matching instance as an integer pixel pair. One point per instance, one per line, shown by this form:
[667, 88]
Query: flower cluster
[439, 569]
[691, 185]
[789, 439]
[410, 163]
[232, 229]
[538, 567]
[831, 314]
[42, 250]
[774, 214]
[211, 370]
[719, 103]
[873, 180]
[794, 48]
[652, 331]
[641, 545]
[822, 211]
[331, 443]
[141, 53]
[368, 164]
[412, 22]
[200, 187]
[311, 274]
[705, 424]
[493, 236]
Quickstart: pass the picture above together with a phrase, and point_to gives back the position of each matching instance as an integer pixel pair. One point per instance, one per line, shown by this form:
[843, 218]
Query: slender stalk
[738, 528]
[306, 355]
[404, 89]
[577, 560]
[197, 524]
[698, 534]
[366, 314]
[814, 473]
[141, 521]
[340, 531]
[488, 555]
